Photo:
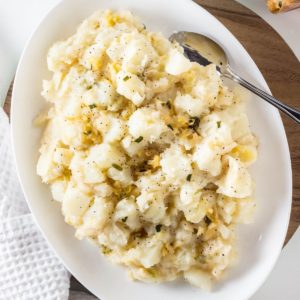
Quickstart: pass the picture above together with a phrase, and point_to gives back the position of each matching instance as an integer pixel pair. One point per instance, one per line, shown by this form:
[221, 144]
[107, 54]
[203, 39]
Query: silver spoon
[203, 50]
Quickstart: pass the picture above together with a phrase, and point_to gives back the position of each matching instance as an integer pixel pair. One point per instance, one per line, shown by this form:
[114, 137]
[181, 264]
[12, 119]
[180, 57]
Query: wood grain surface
[280, 68]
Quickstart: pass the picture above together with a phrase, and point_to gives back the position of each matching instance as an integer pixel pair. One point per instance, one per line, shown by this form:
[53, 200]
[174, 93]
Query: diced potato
[95, 218]
[72, 133]
[92, 57]
[58, 189]
[193, 203]
[177, 63]
[45, 164]
[62, 156]
[186, 103]
[237, 181]
[130, 86]
[101, 93]
[116, 130]
[175, 164]
[118, 235]
[137, 55]
[105, 155]
[146, 123]
[199, 278]
[74, 205]
[103, 190]
[152, 206]
[92, 173]
[148, 254]
[122, 174]
[133, 146]
[207, 159]
[115, 50]
[127, 212]
[209, 152]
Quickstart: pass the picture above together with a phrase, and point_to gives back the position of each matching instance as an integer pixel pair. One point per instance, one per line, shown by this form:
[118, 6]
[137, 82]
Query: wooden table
[267, 49]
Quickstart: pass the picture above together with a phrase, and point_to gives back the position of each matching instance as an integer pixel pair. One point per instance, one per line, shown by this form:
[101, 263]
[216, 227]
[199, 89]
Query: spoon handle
[290, 111]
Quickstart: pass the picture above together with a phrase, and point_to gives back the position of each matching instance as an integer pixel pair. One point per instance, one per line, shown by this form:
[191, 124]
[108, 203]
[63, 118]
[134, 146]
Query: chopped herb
[170, 126]
[194, 123]
[124, 219]
[207, 220]
[89, 87]
[280, 4]
[144, 26]
[126, 78]
[91, 106]
[189, 177]
[117, 167]
[169, 105]
[105, 250]
[139, 139]
[143, 168]
[158, 228]
[219, 124]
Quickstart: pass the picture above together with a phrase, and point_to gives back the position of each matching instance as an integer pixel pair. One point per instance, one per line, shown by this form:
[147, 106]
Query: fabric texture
[29, 270]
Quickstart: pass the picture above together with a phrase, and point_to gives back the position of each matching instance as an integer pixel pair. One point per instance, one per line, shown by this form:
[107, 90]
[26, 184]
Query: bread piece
[276, 6]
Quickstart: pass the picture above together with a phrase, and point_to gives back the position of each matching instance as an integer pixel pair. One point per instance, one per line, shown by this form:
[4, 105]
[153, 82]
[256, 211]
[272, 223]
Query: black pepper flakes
[189, 177]
[139, 139]
[117, 167]
[91, 106]
[170, 126]
[158, 228]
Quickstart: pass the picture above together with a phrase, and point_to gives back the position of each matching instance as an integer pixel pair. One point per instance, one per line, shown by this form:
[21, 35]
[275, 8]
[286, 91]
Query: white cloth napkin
[29, 270]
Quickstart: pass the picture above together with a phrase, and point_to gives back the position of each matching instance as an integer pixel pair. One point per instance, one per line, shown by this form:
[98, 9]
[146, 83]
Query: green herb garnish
[89, 87]
[170, 126]
[117, 167]
[91, 106]
[139, 139]
[207, 220]
[126, 78]
[194, 123]
[219, 124]
[158, 228]
[124, 219]
[189, 177]
[105, 250]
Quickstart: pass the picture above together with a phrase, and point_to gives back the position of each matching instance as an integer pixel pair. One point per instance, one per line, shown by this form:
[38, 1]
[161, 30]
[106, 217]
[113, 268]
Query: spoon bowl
[203, 50]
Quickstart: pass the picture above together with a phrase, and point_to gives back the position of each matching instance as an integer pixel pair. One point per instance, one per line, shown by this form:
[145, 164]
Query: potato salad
[147, 152]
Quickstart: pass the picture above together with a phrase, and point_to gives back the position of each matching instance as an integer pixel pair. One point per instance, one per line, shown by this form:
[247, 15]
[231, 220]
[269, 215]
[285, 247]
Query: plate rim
[15, 158]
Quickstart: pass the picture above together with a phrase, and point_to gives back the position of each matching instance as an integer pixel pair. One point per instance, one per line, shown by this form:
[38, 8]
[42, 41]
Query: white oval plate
[260, 243]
